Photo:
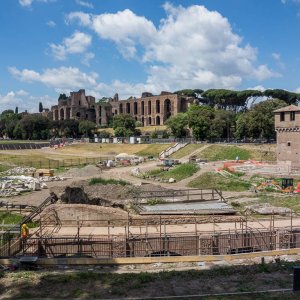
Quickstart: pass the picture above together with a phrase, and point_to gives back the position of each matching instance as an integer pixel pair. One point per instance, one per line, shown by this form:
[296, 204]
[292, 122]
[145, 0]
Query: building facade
[149, 109]
[287, 126]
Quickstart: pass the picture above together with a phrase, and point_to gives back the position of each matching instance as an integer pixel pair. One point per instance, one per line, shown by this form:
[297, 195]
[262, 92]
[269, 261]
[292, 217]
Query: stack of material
[44, 172]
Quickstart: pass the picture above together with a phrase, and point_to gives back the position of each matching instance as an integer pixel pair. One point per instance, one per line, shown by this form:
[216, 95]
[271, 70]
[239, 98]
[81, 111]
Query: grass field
[210, 180]
[178, 172]
[187, 150]
[244, 152]
[76, 154]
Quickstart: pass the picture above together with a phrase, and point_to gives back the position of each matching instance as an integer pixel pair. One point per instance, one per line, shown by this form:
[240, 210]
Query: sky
[128, 47]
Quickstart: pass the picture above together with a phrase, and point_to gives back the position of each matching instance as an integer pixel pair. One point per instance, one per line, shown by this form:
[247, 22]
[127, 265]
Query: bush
[103, 181]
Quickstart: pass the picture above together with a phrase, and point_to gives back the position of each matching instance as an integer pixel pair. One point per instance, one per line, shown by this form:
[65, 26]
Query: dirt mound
[88, 170]
[67, 214]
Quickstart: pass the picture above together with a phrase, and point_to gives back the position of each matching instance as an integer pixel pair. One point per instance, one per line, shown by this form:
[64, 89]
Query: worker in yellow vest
[24, 231]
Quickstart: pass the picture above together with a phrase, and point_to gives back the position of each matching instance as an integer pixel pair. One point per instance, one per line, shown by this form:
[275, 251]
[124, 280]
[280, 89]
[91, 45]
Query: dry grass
[144, 129]
[41, 157]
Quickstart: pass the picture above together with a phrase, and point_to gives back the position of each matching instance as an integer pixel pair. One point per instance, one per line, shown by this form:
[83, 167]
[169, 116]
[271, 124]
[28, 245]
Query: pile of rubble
[18, 171]
[15, 181]
[136, 172]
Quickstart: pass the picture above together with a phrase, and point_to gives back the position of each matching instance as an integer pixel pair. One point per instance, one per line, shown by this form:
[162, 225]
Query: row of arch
[127, 108]
[64, 114]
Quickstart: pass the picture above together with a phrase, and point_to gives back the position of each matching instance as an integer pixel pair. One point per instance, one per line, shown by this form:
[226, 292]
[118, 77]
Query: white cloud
[85, 4]
[83, 18]
[192, 47]
[67, 79]
[61, 79]
[77, 43]
[125, 28]
[277, 59]
[28, 3]
[87, 58]
[24, 101]
[51, 23]
[258, 88]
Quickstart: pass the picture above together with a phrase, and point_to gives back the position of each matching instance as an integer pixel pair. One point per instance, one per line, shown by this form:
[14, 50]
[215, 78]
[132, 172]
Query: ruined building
[287, 126]
[149, 109]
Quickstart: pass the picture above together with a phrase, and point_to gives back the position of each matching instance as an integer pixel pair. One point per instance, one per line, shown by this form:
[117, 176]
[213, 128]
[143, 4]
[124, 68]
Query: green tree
[86, 127]
[178, 125]
[288, 97]
[8, 121]
[40, 107]
[124, 120]
[258, 122]
[200, 120]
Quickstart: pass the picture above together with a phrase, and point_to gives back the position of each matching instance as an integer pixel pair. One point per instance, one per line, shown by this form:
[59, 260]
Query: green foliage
[178, 125]
[178, 172]
[138, 124]
[258, 122]
[41, 107]
[9, 218]
[124, 121]
[155, 201]
[210, 180]
[200, 120]
[86, 127]
[62, 97]
[154, 134]
[103, 181]
[124, 126]
[104, 134]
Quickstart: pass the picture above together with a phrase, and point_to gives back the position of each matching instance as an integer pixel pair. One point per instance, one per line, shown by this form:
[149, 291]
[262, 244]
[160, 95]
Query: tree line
[216, 113]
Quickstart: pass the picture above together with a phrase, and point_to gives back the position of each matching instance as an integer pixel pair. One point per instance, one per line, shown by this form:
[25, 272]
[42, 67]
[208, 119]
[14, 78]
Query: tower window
[281, 116]
[292, 116]
[289, 144]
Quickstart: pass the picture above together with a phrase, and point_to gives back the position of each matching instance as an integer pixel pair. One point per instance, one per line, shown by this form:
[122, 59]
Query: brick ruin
[287, 126]
[149, 109]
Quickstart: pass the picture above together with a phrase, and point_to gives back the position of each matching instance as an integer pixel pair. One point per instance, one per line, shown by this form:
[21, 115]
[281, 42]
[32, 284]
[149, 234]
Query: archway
[158, 106]
[61, 114]
[68, 113]
[121, 108]
[143, 108]
[128, 108]
[135, 108]
[55, 114]
[157, 120]
[167, 109]
[149, 107]
[149, 121]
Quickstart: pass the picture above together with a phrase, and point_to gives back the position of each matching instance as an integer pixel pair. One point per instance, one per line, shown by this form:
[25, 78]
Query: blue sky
[130, 46]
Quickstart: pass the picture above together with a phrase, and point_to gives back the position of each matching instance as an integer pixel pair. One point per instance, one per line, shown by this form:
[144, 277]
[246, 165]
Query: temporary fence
[58, 163]
[153, 245]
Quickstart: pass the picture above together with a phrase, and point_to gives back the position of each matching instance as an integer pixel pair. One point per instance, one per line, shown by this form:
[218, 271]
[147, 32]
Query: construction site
[179, 206]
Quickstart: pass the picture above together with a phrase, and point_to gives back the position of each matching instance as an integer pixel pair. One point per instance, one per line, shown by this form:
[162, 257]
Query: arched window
[143, 108]
[157, 106]
[149, 107]
[157, 120]
[135, 108]
[62, 114]
[128, 108]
